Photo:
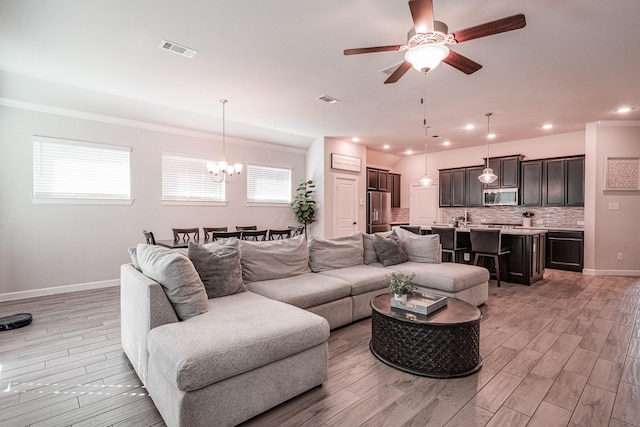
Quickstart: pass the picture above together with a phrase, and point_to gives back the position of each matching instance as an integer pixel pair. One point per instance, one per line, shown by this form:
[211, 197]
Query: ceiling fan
[427, 40]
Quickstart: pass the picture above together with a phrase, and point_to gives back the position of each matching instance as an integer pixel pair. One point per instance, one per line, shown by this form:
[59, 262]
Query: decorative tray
[421, 302]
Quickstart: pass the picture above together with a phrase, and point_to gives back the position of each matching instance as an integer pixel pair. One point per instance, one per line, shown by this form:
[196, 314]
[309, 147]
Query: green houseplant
[401, 285]
[304, 207]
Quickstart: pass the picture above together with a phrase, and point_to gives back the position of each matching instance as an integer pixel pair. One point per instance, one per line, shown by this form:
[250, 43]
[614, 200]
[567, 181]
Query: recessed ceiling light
[491, 135]
[386, 146]
[624, 109]
[470, 126]
[446, 143]
[547, 126]
[355, 139]
[409, 152]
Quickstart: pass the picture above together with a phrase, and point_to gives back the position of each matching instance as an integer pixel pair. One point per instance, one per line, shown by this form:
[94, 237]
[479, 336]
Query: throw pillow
[339, 252]
[419, 248]
[134, 258]
[370, 255]
[218, 266]
[389, 249]
[274, 259]
[177, 276]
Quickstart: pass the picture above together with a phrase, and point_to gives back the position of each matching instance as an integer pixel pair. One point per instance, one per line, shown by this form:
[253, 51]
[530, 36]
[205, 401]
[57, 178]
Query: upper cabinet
[396, 188]
[563, 182]
[378, 180]
[508, 171]
[552, 182]
[460, 187]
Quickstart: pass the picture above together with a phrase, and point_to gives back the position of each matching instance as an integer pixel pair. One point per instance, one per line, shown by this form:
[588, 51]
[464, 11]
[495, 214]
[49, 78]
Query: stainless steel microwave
[500, 197]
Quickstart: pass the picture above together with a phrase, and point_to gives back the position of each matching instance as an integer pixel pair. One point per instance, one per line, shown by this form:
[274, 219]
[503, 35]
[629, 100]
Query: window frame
[43, 189]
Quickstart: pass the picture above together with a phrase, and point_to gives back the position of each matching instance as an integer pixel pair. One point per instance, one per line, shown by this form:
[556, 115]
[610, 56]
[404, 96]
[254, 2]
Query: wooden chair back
[216, 235]
[148, 235]
[255, 235]
[186, 234]
[209, 230]
[296, 230]
[246, 227]
[279, 234]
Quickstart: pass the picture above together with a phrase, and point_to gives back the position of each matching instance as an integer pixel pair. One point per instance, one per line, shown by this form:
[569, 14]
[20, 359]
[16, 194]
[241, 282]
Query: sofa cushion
[219, 267]
[177, 276]
[339, 252]
[362, 278]
[446, 276]
[389, 249]
[370, 255]
[240, 332]
[274, 259]
[419, 248]
[304, 291]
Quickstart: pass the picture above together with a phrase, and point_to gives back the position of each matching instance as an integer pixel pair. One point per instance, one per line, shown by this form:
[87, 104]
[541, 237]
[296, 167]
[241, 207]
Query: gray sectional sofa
[215, 348]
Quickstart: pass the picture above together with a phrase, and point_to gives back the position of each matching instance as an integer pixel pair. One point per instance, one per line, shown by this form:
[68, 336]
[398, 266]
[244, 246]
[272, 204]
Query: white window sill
[192, 203]
[72, 201]
[267, 204]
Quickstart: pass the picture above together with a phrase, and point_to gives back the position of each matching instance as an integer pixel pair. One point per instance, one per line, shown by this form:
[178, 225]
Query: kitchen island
[527, 257]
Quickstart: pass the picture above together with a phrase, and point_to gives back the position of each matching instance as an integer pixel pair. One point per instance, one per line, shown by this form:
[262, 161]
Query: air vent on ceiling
[176, 48]
[328, 99]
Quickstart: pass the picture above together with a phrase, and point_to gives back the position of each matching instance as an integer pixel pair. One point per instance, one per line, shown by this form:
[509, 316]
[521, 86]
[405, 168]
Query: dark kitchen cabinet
[458, 187]
[396, 189]
[473, 187]
[565, 250]
[563, 182]
[378, 180]
[445, 180]
[508, 171]
[531, 183]
[527, 257]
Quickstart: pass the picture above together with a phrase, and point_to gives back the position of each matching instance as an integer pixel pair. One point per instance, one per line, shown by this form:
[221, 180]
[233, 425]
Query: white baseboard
[12, 296]
[592, 272]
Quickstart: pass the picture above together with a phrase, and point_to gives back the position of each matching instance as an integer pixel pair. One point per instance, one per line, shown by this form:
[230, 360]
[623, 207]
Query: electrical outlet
[614, 206]
[467, 256]
[620, 256]
[581, 223]
[540, 221]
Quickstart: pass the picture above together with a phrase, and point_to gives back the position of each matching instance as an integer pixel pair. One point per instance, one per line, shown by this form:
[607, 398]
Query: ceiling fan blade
[510, 23]
[398, 73]
[462, 63]
[372, 49]
[422, 14]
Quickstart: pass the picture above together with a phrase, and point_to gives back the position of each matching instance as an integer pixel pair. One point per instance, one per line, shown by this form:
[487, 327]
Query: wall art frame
[347, 163]
[621, 174]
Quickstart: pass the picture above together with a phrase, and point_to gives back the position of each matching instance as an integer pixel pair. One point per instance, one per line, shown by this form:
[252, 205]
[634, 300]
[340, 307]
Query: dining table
[180, 243]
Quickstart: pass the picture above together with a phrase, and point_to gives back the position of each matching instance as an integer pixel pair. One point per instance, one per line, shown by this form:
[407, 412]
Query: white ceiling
[575, 62]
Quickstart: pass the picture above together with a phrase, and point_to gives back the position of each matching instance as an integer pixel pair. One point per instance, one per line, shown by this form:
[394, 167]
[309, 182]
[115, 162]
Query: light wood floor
[565, 351]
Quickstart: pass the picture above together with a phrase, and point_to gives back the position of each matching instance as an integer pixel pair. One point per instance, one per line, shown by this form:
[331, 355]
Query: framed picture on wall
[622, 173]
[347, 163]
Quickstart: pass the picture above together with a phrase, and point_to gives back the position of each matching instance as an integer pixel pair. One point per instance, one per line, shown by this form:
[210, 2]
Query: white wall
[45, 246]
[316, 172]
[611, 231]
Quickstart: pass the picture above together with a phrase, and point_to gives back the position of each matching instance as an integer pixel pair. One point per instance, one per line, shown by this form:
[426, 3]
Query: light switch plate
[614, 206]
[580, 222]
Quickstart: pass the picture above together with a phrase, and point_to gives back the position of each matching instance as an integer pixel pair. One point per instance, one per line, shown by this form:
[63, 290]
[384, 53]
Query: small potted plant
[526, 221]
[401, 285]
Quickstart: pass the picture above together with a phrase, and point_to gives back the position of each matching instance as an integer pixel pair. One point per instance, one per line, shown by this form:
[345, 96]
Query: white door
[345, 206]
[423, 204]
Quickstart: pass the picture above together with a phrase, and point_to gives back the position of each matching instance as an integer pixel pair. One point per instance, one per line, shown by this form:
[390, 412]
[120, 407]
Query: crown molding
[618, 123]
[119, 121]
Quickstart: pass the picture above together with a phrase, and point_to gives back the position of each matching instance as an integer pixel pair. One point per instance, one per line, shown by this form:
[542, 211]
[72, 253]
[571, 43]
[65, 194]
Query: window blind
[67, 169]
[187, 178]
[268, 184]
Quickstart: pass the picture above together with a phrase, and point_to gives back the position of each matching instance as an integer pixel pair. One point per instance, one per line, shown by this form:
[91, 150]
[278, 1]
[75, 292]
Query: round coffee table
[444, 344]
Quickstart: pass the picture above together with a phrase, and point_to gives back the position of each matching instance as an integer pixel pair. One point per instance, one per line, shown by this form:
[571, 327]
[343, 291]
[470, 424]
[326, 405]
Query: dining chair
[209, 230]
[279, 234]
[151, 240]
[488, 244]
[296, 230]
[246, 227]
[216, 235]
[186, 234]
[449, 242]
[255, 235]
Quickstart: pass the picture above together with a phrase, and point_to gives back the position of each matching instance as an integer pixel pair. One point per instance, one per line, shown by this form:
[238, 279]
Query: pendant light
[426, 179]
[488, 176]
[222, 171]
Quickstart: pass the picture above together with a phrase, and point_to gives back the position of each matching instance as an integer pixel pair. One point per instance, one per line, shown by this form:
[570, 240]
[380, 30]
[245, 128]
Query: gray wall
[43, 246]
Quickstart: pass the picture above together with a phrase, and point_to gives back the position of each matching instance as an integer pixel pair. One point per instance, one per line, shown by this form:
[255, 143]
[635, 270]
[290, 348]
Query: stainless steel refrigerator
[378, 211]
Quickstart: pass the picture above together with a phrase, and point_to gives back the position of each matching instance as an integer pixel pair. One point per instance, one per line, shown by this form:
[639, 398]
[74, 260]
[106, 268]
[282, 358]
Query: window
[65, 169]
[268, 184]
[186, 179]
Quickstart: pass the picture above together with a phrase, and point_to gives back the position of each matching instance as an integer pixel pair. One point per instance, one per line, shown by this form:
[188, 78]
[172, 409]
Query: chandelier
[223, 171]
[488, 176]
[426, 179]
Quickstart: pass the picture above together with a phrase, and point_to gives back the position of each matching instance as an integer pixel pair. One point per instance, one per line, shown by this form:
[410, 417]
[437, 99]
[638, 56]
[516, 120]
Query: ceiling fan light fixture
[425, 57]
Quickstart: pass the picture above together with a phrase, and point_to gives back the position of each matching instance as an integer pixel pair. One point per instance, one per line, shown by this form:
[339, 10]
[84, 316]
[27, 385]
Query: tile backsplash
[556, 217]
[400, 215]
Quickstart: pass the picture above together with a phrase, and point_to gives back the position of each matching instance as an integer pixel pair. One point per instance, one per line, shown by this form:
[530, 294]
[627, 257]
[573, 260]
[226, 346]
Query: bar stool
[488, 243]
[415, 229]
[449, 241]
